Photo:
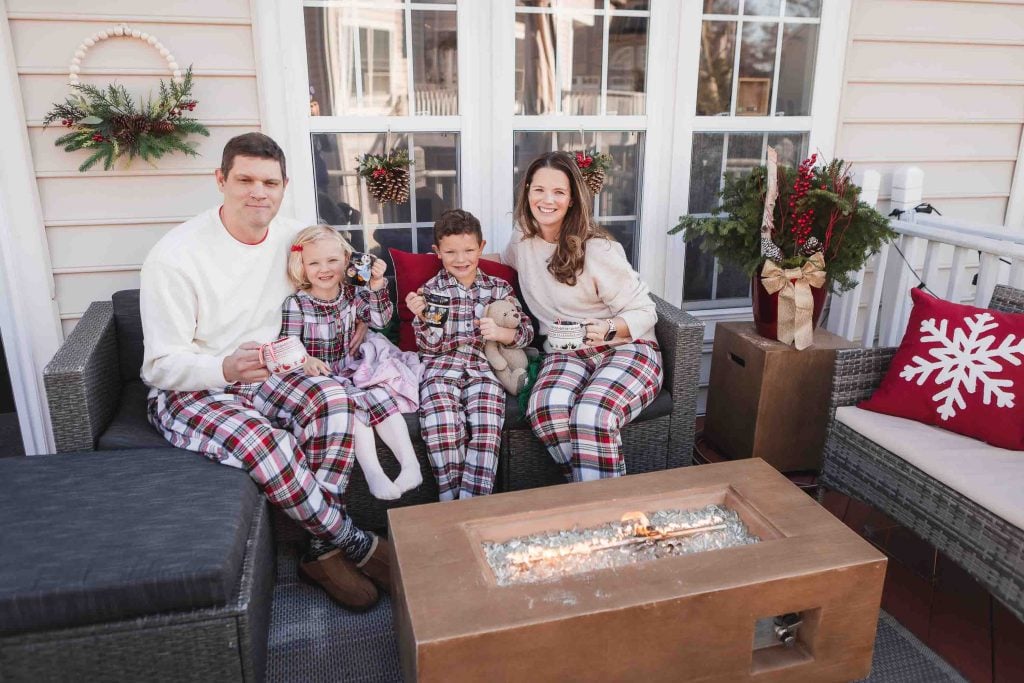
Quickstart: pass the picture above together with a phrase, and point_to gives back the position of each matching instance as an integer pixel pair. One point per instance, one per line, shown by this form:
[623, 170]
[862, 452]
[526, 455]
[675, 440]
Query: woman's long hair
[578, 225]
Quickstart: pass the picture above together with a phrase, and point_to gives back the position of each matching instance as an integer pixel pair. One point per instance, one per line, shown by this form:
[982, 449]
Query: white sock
[446, 495]
[394, 432]
[366, 455]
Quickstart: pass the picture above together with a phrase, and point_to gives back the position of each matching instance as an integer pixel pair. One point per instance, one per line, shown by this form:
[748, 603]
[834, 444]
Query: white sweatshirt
[204, 293]
[607, 287]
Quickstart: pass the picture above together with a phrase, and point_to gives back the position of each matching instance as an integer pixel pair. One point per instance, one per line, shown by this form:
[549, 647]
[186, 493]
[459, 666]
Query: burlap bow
[796, 304]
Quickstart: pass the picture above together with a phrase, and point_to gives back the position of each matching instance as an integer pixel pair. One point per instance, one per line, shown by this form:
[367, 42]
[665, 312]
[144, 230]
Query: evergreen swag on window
[108, 123]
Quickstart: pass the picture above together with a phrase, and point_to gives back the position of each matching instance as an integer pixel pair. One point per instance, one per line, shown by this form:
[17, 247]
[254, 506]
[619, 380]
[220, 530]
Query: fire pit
[719, 572]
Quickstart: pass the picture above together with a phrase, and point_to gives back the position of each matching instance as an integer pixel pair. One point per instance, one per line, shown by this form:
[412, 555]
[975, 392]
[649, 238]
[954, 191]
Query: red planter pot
[766, 308]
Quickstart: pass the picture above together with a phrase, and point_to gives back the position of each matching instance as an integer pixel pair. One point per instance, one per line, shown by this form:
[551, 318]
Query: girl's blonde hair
[314, 233]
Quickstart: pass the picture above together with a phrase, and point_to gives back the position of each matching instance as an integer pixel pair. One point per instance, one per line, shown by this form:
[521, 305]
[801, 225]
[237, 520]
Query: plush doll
[509, 365]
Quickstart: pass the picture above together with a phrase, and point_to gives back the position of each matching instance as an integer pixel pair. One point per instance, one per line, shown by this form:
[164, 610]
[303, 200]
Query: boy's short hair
[457, 222]
[251, 145]
[314, 233]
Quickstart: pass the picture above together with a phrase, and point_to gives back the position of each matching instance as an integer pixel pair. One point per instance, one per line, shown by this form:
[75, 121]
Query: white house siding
[938, 84]
[99, 225]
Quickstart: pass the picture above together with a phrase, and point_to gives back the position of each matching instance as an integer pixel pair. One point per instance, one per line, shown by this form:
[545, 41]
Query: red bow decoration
[296, 247]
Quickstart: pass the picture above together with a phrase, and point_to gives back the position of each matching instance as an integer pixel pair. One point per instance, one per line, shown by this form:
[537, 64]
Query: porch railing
[955, 260]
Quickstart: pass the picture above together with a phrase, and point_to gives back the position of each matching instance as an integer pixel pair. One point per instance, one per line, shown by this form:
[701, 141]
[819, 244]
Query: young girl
[323, 314]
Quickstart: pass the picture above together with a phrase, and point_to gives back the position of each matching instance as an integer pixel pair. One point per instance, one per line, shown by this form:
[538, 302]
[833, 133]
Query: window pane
[620, 196]
[717, 52]
[721, 6]
[435, 63]
[624, 233]
[356, 61]
[796, 71]
[436, 2]
[379, 240]
[763, 8]
[639, 5]
[791, 147]
[535, 64]
[340, 191]
[757, 63]
[803, 8]
[698, 273]
[627, 66]
[436, 171]
[705, 171]
[744, 152]
[579, 63]
[424, 240]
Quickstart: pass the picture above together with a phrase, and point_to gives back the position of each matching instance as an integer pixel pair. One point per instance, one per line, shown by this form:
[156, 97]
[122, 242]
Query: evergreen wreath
[387, 175]
[107, 122]
[593, 165]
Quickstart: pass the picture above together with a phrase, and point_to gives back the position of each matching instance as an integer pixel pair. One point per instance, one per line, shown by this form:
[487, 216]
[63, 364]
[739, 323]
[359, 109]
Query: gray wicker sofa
[97, 402]
[984, 543]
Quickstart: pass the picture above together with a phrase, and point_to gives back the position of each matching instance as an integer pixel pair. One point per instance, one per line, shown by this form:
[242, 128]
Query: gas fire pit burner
[552, 555]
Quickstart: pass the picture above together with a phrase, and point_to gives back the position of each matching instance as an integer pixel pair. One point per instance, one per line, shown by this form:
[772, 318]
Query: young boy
[462, 404]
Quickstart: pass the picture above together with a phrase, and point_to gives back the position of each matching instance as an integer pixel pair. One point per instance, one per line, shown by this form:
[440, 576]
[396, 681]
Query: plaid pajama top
[326, 327]
[457, 349]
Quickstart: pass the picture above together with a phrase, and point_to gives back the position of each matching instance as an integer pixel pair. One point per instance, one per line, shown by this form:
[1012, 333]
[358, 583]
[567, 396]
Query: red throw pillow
[959, 368]
[413, 270]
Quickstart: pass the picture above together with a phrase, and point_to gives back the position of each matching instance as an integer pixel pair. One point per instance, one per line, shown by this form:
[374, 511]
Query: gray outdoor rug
[313, 640]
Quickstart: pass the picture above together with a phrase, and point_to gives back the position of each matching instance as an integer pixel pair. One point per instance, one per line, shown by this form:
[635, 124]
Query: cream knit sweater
[607, 287]
[204, 293]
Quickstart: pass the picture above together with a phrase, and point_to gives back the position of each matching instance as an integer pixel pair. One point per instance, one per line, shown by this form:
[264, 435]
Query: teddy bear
[509, 365]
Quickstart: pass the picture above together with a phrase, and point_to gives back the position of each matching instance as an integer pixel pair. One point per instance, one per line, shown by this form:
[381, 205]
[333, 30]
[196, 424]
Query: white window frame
[486, 121]
[822, 123]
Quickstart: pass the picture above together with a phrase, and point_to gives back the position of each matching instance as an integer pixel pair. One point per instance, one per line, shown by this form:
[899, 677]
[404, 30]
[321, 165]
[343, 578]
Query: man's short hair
[457, 222]
[251, 145]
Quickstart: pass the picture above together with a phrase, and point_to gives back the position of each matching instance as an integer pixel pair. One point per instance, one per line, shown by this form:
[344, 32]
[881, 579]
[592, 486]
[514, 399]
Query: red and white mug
[285, 355]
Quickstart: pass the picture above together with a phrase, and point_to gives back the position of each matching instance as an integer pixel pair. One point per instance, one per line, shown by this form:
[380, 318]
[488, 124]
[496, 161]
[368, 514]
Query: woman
[571, 269]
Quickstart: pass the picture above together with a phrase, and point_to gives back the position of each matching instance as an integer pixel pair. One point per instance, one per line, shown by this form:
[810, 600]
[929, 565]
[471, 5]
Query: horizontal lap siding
[939, 85]
[100, 225]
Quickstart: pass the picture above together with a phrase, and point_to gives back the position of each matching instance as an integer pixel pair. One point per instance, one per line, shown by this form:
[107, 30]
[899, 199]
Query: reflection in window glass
[342, 196]
[619, 200]
[358, 61]
[435, 67]
[559, 67]
[803, 8]
[721, 6]
[627, 66]
[579, 63]
[796, 70]
[763, 8]
[757, 63]
[713, 155]
[717, 52]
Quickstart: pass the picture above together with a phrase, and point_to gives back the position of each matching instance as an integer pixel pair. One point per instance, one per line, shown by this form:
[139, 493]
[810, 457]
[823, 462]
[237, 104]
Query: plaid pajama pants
[583, 398]
[460, 421]
[292, 435]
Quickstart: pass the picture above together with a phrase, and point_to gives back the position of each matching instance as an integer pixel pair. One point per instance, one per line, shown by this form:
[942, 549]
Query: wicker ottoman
[151, 564]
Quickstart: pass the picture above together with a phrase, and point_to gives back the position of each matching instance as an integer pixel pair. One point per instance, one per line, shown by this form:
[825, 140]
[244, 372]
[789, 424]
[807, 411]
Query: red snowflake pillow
[959, 368]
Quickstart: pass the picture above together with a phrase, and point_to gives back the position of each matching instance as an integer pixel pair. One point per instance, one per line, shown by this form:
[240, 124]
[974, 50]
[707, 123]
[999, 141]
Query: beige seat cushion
[992, 477]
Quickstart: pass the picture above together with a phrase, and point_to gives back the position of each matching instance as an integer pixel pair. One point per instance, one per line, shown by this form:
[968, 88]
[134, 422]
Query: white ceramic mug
[566, 335]
[285, 355]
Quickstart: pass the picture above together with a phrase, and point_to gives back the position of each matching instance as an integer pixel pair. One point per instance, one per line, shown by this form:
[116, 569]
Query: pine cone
[811, 245]
[378, 188]
[398, 185]
[595, 180]
[770, 250]
[162, 127]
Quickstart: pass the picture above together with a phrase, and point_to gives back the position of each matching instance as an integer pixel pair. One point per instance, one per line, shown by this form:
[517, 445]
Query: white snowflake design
[964, 360]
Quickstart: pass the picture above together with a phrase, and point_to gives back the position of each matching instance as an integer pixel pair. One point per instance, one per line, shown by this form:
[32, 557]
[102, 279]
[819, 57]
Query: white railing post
[907, 193]
[844, 308]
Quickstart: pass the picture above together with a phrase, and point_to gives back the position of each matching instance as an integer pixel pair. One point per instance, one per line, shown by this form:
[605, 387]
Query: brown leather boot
[337, 575]
[377, 564]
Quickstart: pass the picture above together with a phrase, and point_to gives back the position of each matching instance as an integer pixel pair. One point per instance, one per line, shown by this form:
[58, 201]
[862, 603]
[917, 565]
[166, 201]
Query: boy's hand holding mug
[416, 302]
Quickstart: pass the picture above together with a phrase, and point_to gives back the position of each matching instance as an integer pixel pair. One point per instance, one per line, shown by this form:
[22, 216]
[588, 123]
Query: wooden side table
[768, 400]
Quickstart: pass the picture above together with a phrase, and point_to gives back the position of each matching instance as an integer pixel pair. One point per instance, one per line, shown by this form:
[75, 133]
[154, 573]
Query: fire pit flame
[636, 537]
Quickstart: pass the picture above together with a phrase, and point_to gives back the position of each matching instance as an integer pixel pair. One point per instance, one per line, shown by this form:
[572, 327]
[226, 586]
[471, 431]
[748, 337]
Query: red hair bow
[296, 247]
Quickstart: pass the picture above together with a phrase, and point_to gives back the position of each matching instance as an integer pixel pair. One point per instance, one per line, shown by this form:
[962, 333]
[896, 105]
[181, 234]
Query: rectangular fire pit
[715, 573]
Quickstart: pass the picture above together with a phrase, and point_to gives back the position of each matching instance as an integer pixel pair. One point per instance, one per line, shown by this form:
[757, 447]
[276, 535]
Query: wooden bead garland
[121, 31]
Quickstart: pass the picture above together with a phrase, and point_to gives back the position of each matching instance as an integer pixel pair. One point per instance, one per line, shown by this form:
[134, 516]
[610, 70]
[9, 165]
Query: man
[211, 294]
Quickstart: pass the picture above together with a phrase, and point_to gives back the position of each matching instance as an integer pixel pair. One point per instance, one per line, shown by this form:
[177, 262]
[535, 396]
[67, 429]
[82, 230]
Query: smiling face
[460, 255]
[253, 190]
[550, 198]
[324, 262]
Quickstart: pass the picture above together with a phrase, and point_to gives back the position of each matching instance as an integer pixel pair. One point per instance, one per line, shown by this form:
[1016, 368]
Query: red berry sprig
[803, 221]
[379, 173]
[98, 138]
[583, 161]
